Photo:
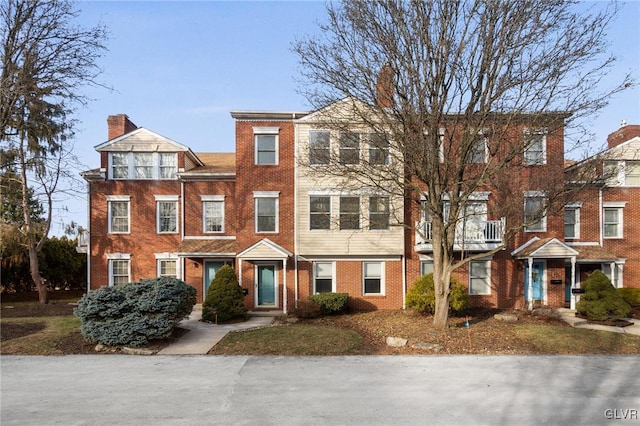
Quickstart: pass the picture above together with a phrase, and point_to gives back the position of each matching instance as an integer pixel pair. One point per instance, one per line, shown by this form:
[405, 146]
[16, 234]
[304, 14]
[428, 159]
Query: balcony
[476, 235]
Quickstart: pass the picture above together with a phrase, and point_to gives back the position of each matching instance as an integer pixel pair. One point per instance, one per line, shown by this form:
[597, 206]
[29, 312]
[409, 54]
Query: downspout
[600, 220]
[182, 222]
[403, 259]
[284, 287]
[295, 217]
[88, 233]
[530, 286]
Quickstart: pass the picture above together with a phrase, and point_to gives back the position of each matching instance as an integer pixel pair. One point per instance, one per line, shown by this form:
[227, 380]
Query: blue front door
[210, 269]
[266, 283]
[537, 272]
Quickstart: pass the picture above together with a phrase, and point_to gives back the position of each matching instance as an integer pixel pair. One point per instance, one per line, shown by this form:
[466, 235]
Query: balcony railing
[479, 235]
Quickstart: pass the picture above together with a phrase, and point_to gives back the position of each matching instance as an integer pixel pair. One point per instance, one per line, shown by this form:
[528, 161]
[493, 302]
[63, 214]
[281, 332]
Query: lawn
[29, 328]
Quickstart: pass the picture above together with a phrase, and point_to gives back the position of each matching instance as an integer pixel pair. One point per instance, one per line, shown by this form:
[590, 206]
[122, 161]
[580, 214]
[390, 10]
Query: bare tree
[46, 60]
[448, 83]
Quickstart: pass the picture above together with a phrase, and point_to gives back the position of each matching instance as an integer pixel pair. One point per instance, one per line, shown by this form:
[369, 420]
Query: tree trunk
[442, 291]
[43, 295]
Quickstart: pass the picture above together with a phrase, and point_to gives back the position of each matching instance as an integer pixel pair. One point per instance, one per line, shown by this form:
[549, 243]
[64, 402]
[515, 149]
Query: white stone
[396, 342]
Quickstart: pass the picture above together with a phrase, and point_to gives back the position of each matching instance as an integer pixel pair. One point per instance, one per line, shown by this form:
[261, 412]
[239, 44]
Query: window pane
[378, 149]
[167, 216]
[320, 212]
[349, 213]
[265, 149]
[266, 212]
[168, 165]
[119, 216]
[534, 151]
[120, 167]
[319, 147]
[168, 268]
[479, 277]
[477, 152]
[379, 213]
[372, 269]
[570, 223]
[143, 162]
[533, 214]
[349, 148]
[213, 215]
[426, 267]
[323, 277]
[119, 272]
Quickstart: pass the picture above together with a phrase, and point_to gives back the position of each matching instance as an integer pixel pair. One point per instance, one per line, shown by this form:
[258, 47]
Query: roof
[215, 163]
[544, 248]
[268, 115]
[207, 247]
[594, 253]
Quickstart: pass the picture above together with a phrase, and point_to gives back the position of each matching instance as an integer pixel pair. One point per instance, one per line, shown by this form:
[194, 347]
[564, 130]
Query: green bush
[134, 313]
[630, 295]
[422, 296]
[225, 300]
[306, 309]
[331, 303]
[600, 300]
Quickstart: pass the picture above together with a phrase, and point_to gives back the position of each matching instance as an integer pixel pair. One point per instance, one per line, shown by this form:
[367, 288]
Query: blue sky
[178, 68]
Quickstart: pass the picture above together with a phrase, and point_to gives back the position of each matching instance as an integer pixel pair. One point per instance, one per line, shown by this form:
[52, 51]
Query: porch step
[569, 316]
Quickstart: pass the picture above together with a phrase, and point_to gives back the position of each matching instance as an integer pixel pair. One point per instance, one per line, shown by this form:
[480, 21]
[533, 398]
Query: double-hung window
[266, 145]
[167, 213]
[612, 226]
[378, 212]
[143, 165]
[119, 268]
[319, 147]
[349, 212]
[266, 211]
[373, 277]
[119, 165]
[323, 281]
[632, 173]
[319, 212]
[212, 213]
[168, 165]
[167, 265]
[118, 213]
[478, 150]
[378, 149]
[535, 211]
[535, 147]
[572, 221]
[480, 277]
[349, 148]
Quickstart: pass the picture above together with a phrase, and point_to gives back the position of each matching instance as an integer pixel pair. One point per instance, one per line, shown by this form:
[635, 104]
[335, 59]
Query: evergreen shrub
[600, 300]
[134, 313]
[630, 295]
[331, 303]
[422, 296]
[225, 300]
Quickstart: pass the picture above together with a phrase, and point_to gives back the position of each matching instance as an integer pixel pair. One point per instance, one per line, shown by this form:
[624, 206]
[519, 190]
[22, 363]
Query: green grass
[43, 342]
[294, 339]
[550, 339]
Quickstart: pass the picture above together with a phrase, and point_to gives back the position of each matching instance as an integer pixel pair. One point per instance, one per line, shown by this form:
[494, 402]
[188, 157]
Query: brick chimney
[384, 87]
[119, 125]
[623, 134]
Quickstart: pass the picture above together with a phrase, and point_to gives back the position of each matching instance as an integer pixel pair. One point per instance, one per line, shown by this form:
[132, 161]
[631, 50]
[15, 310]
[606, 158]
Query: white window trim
[382, 280]
[576, 207]
[333, 275]
[118, 256]
[617, 206]
[167, 256]
[118, 198]
[330, 211]
[166, 199]
[543, 219]
[266, 194]
[485, 261]
[309, 147]
[212, 198]
[271, 131]
[131, 174]
[543, 132]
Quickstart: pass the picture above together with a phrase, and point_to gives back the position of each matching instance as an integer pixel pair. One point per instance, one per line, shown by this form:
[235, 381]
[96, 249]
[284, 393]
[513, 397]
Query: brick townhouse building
[156, 208]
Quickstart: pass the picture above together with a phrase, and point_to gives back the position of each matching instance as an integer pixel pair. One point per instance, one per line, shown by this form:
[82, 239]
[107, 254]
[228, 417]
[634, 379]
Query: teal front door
[266, 286]
[210, 269]
[537, 272]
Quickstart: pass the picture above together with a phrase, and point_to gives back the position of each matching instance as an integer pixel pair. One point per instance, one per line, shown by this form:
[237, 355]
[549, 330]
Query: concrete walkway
[203, 336]
[569, 316]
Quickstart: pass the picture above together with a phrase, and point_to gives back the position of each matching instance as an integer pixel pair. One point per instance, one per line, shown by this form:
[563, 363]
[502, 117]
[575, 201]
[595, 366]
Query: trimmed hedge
[134, 313]
[601, 301]
[331, 303]
[422, 295]
[630, 295]
[225, 300]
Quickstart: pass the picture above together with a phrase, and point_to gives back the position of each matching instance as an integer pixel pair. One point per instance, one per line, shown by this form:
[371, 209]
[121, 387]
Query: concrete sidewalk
[203, 336]
[569, 316]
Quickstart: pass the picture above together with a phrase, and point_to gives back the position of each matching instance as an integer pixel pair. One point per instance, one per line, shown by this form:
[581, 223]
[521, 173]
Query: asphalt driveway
[351, 390]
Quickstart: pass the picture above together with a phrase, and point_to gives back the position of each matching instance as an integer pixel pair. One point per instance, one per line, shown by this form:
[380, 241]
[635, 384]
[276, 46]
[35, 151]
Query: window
[478, 151]
[266, 211]
[378, 213]
[319, 212]
[349, 212]
[118, 212]
[426, 267]
[632, 173]
[535, 151]
[319, 147]
[572, 221]
[372, 275]
[213, 213]
[119, 165]
[480, 277]
[119, 268]
[266, 145]
[143, 165]
[534, 212]
[167, 268]
[378, 149]
[349, 148]
[167, 211]
[323, 277]
[612, 222]
[429, 143]
[168, 165]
